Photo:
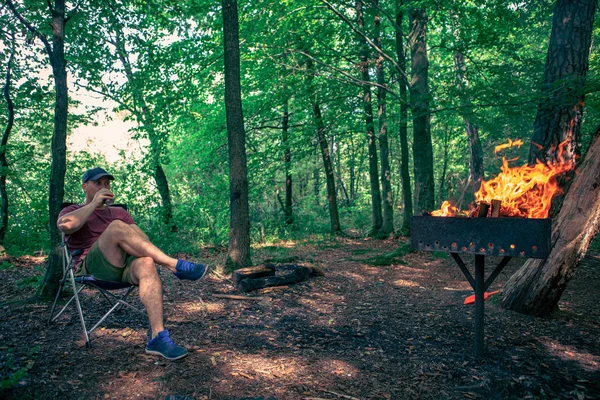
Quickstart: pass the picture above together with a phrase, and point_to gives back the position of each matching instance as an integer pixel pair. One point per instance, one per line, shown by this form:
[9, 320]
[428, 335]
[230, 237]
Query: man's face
[92, 187]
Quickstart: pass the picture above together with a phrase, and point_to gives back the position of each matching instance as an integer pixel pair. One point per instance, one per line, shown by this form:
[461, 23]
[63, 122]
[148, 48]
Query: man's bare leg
[143, 274]
[119, 238]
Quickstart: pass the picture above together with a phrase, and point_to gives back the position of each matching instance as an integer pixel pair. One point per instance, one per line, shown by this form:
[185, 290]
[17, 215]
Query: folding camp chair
[78, 283]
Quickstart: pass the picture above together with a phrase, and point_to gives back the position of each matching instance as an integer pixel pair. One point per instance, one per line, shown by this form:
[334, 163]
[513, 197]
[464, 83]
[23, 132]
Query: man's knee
[144, 268]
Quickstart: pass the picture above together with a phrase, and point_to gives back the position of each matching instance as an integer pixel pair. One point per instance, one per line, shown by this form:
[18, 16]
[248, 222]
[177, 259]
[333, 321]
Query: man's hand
[102, 196]
[74, 220]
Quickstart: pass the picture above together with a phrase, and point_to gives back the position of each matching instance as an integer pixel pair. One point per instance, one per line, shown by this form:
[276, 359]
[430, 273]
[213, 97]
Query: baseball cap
[94, 174]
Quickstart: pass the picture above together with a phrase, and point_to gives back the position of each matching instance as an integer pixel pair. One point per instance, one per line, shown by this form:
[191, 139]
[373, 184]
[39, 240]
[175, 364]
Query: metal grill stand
[506, 237]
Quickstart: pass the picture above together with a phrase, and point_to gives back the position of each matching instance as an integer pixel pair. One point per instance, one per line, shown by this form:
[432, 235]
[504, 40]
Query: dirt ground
[362, 331]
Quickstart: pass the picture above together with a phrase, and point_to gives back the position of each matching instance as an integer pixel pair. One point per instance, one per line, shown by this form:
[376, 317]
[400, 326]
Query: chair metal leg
[66, 305]
[115, 302]
[58, 293]
[79, 309]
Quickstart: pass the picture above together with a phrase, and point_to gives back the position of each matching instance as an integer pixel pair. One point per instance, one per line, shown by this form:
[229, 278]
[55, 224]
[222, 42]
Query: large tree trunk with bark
[384, 150]
[9, 125]
[403, 128]
[561, 105]
[58, 167]
[537, 287]
[419, 101]
[376, 213]
[476, 174]
[238, 255]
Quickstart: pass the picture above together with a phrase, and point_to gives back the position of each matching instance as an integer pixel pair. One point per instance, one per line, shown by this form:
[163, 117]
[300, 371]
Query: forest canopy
[158, 67]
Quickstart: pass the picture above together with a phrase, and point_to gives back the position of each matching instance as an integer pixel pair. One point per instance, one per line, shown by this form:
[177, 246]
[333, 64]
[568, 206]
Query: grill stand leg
[479, 285]
[479, 304]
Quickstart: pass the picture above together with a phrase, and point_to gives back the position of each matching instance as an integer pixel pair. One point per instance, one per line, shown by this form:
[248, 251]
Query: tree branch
[110, 96]
[357, 31]
[32, 29]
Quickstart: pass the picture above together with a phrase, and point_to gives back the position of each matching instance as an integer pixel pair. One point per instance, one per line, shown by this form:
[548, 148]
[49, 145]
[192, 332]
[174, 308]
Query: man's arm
[73, 221]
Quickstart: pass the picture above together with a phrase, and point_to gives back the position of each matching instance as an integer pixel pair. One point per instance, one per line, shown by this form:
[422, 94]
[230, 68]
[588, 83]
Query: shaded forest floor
[363, 331]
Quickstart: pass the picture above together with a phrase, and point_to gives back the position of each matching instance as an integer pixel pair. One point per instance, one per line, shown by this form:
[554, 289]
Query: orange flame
[510, 143]
[524, 191]
[446, 210]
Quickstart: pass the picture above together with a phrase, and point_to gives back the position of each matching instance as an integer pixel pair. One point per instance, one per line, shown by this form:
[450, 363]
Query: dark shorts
[96, 265]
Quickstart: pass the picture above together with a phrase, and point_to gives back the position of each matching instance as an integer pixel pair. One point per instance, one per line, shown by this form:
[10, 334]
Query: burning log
[483, 209]
[496, 208]
[525, 191]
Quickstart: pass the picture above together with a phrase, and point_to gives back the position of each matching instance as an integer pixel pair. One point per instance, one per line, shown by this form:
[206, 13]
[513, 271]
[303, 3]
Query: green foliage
[439, 254]
[595, 245]
[12, 370]
[30, 282]
[176, 54]
[4, 265]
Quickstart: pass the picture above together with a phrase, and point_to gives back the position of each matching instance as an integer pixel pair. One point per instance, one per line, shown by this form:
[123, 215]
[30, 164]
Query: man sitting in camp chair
[116, 249]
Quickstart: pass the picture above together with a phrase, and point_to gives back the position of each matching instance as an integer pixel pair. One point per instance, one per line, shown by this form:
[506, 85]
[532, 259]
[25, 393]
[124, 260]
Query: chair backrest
[67, 204]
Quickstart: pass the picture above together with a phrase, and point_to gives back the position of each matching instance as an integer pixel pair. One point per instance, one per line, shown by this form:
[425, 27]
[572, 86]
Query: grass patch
[358, 252]
[276, 255]
[595, 245]
[393, 257]
[282, 260]
[439, 254]
[31, 282]
[4, 265]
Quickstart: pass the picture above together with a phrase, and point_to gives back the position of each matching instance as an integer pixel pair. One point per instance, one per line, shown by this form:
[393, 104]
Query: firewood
[237, 297]
[252, 273]
[496, 204]
[287, 274]
[483, 210]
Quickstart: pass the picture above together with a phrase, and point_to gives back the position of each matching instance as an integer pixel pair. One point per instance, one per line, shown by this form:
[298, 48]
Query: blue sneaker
[162, 345]
[189, 270]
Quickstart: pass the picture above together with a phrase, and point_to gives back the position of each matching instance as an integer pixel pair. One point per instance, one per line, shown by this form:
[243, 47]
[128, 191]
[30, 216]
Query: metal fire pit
[505, 237]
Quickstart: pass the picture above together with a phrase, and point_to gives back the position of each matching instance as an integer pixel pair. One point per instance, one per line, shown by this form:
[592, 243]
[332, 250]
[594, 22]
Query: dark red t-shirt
[87, 235]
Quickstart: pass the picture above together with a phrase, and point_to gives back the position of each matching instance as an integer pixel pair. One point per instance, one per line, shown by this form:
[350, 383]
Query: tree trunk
[317, 183]
[238, 255]
[337, 159]
[419, 99]
[376, 213]
[561, 105]
[324, 146]
[143, 115]
[58, 167]
[352, 170]
[386, 185]
[476, 174]
[328, 167]
[403, 128]
[287, 161]
[9, 125]
[537, 287]
[442, 190]
[165, 194]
